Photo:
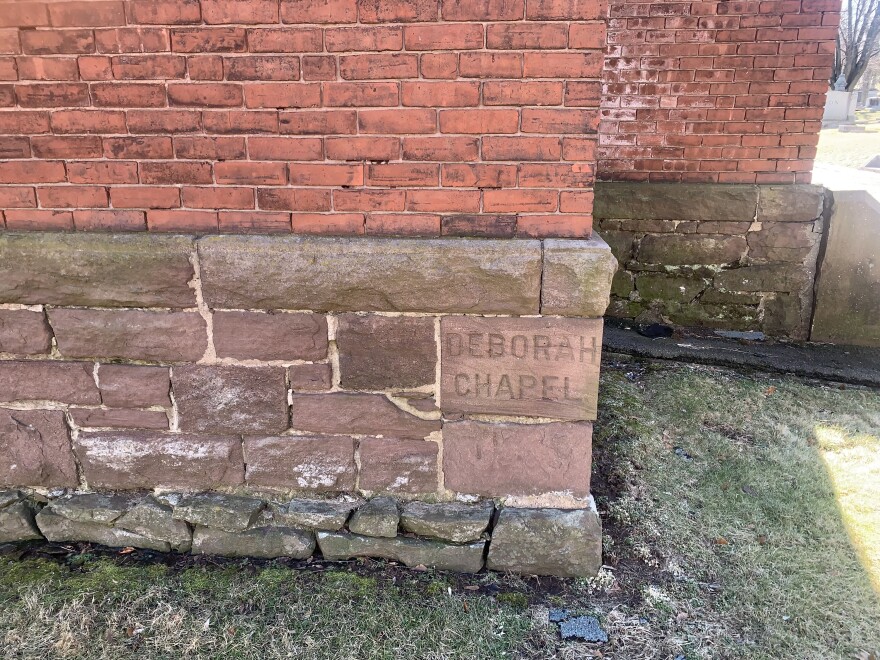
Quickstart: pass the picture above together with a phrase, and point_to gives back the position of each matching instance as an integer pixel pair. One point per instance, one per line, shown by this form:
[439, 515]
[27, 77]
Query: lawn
[848, 149]
[743, 520]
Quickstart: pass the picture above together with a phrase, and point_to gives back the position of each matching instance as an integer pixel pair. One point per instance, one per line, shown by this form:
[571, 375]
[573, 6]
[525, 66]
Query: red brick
[205, 67]
[27, 121]
[522, 148]
[282, 95]
[441, 94]
[66, 146]
[164, 12]
[402, 224]
[132, 40]
[587, 35]
[38, 172]
[240, 121]
[576, 201]
[284, 40]
[148, 67]
[362, 148]
[52, 95]
[319, 11]
[256, 222]
[379, 66]
[293, 199]
[72, 197]
[145, 197]
[457, 201]
[558, 121]
[441, 148]
[140, 147]
[57, 42]
[209, 40]
[215, 197]
[326, 175]
[519, 201]
[368, 200]
[443, 37]
[402, 175]
[399, 11]
[91, 13]
[17, 198]
[522, 36]
[285, 148]
[555, 226]
[398, 121]
[107, 220]
[321, 67]
[482, 10]
[513, 92]
[211, 95]
[546, 175]
[479, 121]
[363, 38]
[321, 122]
[15, 147]
[562, 65]
[491, 65]
[239, 11]
[95, 67]
[128, 95]
[172, 172]
[582, 93]
[163, 121]
[347, 94]
[33, 219]
[251, 173]
[262, 67]
[24, 14]
[339, 224]
[47, 68]
[439, 65]
[478, 175]
[182, 221]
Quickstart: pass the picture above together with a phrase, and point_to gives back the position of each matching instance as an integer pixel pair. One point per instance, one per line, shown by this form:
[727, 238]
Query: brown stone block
[398, 466]
[35, 449]
[310, 377]
[128, 460]
[498, 460]
[130, 334]
[675, 201]
[120, 419]
[231, 399]
[24, 332]
[543, 367]
[67, 382]
[361, 414]
[691, 249]
[318, 464]
[800, 203]
[255, 336]
[134, 386]
[380, 352]
[577, 277]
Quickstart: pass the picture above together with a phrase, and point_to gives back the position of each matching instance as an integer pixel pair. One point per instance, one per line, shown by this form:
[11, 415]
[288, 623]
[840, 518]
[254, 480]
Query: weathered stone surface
[67, 382]
[496, 460]
[711, 227]
[675, 201]
[783, 241]
[379, 352]
[622, 243]
[450, 521]
[789, 203]
[663, 287]
[230, 513]
[362, 274]
[58, 528]
[17, 523]
[261, 542]
[154, 520]
[130, 334]
[365, 414]
[93, 507]
[577, 277]
[100, 270]
[24, 332]
[8, 497]
[547, 542]
[769, 277]
[120, 419]
[395, 465]
[310, 377]
[704, 315]
[376, 517]
[320, 464]
[35, 449]
[231, 399]
[411, 552]
[256, 336]
[622, 284]
[329, 515]
[134, 386]
[691, 249]
[546, 367]
[147, 459]
[788, 314]
[419, 400]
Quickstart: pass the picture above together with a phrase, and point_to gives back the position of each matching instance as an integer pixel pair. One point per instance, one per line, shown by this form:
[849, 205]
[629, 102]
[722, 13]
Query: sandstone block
[92, 269]
[345, 274]
[260, 542]
[230, 513]
[376, 517]
[394, 465]
[130, 334]
[56, 527]
[119, 419]
[783, 241]
[147, 459]
[310, 377]
[35, 449]
[93, 507]
[678, 201]
[132, 386]
[320, 464]
[66, 382]
[17, 522]
[661, 287]
[450, 521]
[577, 277]
[231, 399]
[547, 542]
[23, 332]
[255, 336]
[411, 552]
[154, 520]
[362, 414]
[801, 203]
[329, 515]
[765, 277]
[379, 352]
[496, 460]
[547, 367]
[691, 249]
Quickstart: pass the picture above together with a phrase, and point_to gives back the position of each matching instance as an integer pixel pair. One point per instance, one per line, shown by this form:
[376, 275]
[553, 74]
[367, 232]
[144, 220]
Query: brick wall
[729, 92]
[415, 117]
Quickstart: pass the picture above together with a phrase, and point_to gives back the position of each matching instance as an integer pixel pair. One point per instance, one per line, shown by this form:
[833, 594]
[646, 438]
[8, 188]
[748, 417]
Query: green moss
[513, 599]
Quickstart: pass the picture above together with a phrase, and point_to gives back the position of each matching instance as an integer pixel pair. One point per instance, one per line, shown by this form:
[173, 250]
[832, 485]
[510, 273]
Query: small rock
[327, 515]
[411, 552]
[377, 517]
[17, 523]
[59, 528]
[8, 497]
[584, 628]
[260, 542]
[230, 513]
[93, 507]
[451, 521]
[155, 520]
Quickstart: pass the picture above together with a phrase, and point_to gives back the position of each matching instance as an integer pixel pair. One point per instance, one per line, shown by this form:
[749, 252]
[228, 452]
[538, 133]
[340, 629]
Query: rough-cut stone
[783, 241]
[134, 386]
[35, 449]
[147, 459]
[363, 414]
[547, 542]
[411, 552]
[230, 513]
[260, 542]
[131, 334]
[362, 274]
[546, 367]
[24, 332]
[380, 352]
[256, 336]
[120, 419]
[450, 521]
[58, 528]
[8, 497]
[376, 517]
[661, 287]
[231, 399]
[17, 522]
[691, 249]
[577, 277]
[100, 270]
[320, 464]
[497, 460]
[801, 203]
[395, 465]
[67, 382]
[93, 507]
[310, 377]
[329, 515]
[155, 521]
[678, 201]
[769, 277]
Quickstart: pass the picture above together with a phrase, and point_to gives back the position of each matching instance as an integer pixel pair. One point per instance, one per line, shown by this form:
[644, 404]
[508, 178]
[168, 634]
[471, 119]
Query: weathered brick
[24, 332]
[31, 380]
[134, 386]
[255, 336]
[361, 414]
[307, 463]
[398, 466]
[35, 445]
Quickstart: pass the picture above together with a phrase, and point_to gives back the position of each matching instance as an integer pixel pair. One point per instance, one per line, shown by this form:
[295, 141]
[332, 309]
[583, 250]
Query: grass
[743, 520]
[848, 149]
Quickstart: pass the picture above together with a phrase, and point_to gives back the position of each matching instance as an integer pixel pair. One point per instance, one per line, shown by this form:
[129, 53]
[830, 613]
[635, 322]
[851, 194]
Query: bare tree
[858, 40]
